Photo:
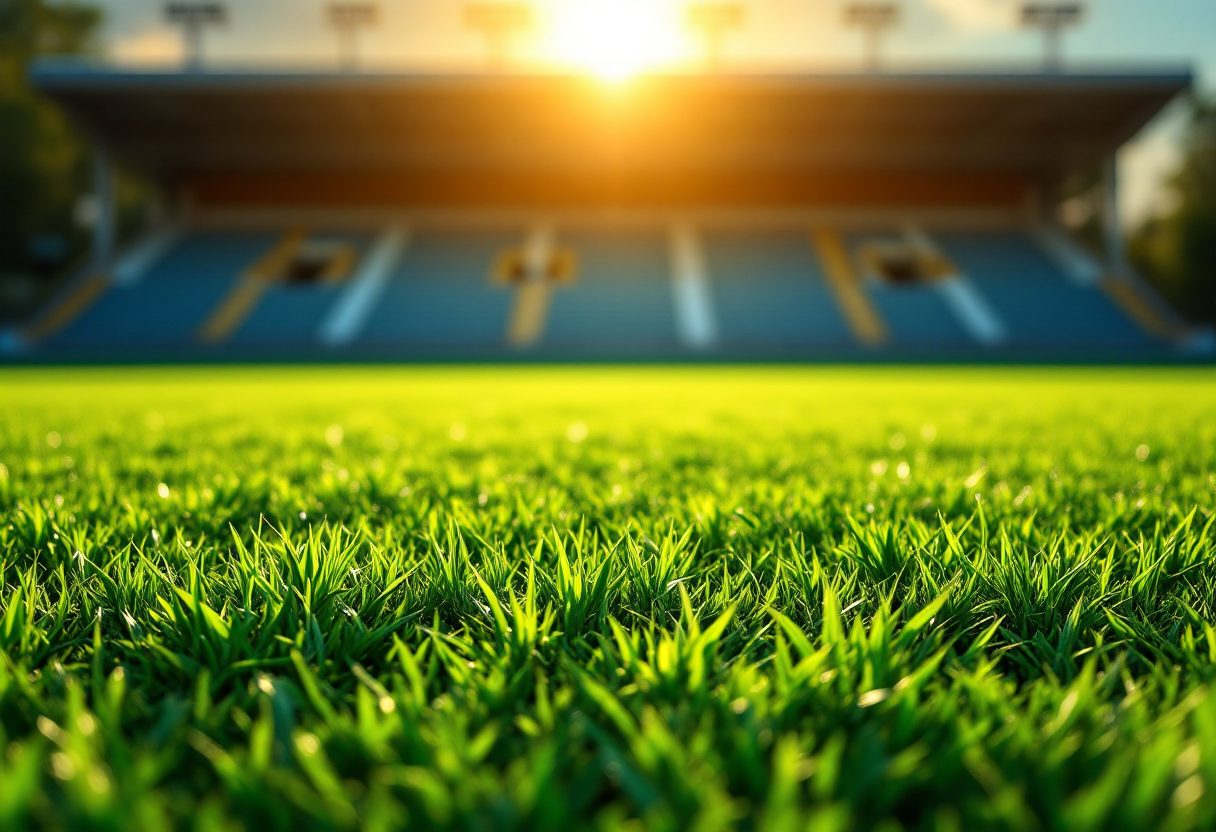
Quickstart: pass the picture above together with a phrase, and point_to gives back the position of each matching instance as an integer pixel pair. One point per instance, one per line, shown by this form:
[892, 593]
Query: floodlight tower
[713, 19]
[1053, 19]
[498, 21]
[194, 18]
[347, 19]
[874, 19]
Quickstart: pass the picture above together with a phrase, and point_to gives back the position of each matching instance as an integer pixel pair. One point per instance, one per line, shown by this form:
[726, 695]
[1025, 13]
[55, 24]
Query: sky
[614, 37]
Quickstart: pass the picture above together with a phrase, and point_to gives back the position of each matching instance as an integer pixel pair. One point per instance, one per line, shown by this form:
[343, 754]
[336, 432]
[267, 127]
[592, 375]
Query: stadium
[628, 445]
[736, 216]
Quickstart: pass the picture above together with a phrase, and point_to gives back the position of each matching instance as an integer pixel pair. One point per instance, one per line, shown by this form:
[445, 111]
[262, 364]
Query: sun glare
[614, 39]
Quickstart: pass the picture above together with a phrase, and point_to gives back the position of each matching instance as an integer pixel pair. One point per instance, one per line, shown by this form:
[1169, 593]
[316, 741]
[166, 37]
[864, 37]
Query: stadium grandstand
[721, 215]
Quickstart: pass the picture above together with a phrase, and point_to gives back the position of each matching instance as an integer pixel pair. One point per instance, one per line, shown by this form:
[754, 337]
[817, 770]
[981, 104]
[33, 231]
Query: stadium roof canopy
[179, 127]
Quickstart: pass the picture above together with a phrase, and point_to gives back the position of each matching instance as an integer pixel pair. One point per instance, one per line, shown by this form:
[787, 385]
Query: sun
[614, 39]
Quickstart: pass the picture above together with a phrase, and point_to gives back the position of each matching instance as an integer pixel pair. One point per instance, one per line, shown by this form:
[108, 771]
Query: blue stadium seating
[288, 315]
[621, 301]
[166, 308]
[915, 315]
[441, 299]
[770, 294]
[1037, 302]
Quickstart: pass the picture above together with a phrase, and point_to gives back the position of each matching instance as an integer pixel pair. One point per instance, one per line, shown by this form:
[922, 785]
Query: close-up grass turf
[557, 599]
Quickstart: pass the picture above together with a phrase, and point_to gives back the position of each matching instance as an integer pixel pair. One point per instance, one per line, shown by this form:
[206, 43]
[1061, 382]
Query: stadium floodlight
[347, 19]
[874, 19]
[713, 19]
[1052, 19]
[498, 20]
[194, 18]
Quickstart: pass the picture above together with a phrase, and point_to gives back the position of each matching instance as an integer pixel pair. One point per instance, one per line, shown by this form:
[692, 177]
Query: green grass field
[557, 599]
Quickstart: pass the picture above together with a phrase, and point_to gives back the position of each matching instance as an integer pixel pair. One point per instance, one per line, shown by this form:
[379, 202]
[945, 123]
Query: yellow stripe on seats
[233, 311]
[862, 317]
[529, 313]
[82, 296]
[339, 266]
[1129, 298]
[241, 301]
[271, 265]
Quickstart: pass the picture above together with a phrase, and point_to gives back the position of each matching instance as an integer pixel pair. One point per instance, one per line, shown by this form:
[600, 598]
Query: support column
[105, 226]
[1112, 229]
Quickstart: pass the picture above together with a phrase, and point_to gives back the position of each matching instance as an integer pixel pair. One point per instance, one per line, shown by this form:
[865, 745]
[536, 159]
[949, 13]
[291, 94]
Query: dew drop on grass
[1187, 762]
[333, 435]
[903, 470]
[62, 766]
[974, 480]
[98, 781]
[163, 491]
[1188, 792]
[873, 697]
[1142, 452]
[87, 724]
[54, 439]
[577, 432]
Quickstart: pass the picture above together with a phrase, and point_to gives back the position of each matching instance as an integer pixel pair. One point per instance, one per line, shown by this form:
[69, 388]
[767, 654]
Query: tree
[44, 165]
[1177, 250]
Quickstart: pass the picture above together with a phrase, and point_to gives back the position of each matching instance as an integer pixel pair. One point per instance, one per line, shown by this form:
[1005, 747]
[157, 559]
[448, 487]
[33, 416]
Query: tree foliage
[44, 164]
[1178, 248]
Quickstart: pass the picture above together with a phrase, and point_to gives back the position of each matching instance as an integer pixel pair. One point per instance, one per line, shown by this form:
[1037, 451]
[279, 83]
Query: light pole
[347, 19]
[874, 19]
[498, 21]
[713, 19]
[194, 18]
[1053, 19]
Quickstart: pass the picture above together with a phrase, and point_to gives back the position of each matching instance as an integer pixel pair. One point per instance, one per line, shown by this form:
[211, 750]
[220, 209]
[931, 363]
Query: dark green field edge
[1184, 354]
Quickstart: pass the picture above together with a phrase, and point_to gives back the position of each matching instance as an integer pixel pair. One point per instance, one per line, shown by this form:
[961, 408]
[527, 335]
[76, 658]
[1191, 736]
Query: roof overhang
[183, 126]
